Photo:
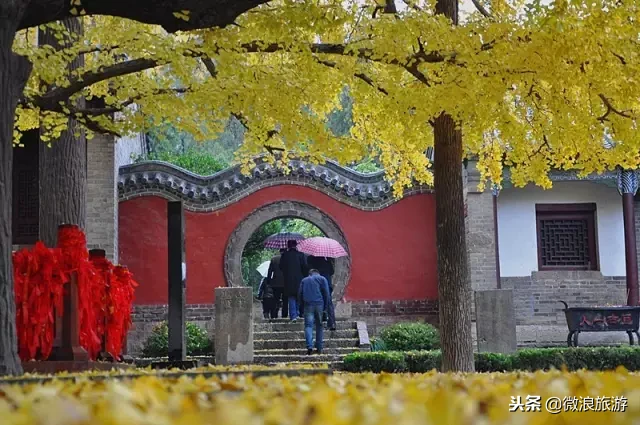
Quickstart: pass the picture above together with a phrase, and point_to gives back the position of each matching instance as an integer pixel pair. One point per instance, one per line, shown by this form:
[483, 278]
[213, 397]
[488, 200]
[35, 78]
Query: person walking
[269, 303]
[294, 267]
[314, 295]
[326, 268]
[277, 283]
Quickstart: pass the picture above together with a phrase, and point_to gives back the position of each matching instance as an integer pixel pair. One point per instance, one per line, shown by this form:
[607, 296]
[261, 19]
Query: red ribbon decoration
[104, 274]
[73, 244]
[39, 280]
[105, 296]
[119, 308]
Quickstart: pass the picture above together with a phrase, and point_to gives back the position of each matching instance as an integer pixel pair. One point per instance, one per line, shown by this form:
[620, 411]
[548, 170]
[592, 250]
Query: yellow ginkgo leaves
[532, 91]
[341, 399]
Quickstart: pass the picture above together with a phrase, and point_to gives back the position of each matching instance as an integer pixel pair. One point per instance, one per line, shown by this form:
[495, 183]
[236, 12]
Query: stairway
[282, 341]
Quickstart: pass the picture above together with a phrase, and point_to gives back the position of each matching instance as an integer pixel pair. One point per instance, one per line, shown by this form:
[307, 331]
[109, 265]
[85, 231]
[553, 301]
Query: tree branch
[202, 14]
[345, 50]
[610, 109]
[360, 75]
[412, 5]
[61, 94]
[545, 143]
[94, 112]
[211, 67]
[97, 128]
[481, 8]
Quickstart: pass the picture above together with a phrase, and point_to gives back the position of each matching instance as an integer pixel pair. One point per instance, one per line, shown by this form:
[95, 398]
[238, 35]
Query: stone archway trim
[280, 209]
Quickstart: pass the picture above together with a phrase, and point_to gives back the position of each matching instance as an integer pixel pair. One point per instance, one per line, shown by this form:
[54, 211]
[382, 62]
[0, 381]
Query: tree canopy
[536, 86]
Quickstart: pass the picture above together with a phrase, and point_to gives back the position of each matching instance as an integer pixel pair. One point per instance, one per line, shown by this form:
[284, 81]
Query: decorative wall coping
[209, 193]
[607, 178]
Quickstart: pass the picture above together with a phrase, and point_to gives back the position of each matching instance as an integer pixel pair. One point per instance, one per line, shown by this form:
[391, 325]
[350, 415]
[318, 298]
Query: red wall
[393, 251]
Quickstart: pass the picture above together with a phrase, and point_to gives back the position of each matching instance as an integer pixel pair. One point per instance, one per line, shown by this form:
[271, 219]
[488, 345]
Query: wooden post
[627, 187]
[70, 348]
[176, 248]
[630, 251]
[495, 191]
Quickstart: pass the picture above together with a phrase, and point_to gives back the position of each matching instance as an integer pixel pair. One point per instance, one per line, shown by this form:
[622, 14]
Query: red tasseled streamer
[105, 296]
[73, 244]
[39, 281]
[120, 302]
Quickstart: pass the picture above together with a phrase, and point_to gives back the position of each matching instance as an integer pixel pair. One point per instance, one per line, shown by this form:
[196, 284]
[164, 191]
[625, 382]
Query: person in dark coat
[294, 268]
[326, 268]
[276, 280]
[269, 303]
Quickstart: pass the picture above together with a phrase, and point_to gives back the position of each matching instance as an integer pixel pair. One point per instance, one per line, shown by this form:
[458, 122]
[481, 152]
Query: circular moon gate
[285, 209]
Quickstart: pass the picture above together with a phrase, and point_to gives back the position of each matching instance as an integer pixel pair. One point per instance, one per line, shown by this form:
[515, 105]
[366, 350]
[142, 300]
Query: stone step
[342, 351]
[300, 343]
[297, 334]
[297, 358]
[286, 320]
[334, 365]
[297, 326]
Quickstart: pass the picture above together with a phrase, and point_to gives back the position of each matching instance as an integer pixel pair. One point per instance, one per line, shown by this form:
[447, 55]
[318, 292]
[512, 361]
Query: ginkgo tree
[528, 86]
[15, 70]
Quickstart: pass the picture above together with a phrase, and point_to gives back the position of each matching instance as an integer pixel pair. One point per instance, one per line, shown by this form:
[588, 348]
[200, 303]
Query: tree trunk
[14, 72]
[454, 287]
[63, 165]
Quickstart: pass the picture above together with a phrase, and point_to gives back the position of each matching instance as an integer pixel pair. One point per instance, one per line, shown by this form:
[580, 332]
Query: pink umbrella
[319, 246]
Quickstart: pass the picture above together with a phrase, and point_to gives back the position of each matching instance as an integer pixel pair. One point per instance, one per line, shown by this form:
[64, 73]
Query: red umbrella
[319, 246]
[279, 240]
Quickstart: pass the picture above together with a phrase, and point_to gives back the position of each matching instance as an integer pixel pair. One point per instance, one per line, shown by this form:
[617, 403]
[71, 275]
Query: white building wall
[127, 148]
[517, 225]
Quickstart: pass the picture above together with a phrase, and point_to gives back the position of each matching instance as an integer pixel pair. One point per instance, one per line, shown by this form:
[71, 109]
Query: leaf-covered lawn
[320, 400]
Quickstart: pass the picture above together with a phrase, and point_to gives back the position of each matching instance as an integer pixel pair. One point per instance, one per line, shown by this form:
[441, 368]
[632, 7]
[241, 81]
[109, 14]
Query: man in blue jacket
[314, 296]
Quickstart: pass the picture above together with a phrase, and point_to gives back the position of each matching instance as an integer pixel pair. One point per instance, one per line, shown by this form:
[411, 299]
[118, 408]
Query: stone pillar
[496, 321]
[480, 232]
[102, 196]
[233, 325]
[627, 187]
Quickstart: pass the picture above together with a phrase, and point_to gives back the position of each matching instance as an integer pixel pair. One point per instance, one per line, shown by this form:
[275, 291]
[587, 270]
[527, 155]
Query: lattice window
[566, 237]
[26, 186]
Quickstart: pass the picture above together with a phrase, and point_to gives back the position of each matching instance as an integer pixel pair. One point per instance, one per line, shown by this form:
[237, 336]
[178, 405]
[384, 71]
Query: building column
[102, 204]
[481, 233]
[627, 187]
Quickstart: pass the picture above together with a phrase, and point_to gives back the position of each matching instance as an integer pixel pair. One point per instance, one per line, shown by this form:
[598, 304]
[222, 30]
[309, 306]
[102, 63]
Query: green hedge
[410, 336]
[597, 358]
[198, 342]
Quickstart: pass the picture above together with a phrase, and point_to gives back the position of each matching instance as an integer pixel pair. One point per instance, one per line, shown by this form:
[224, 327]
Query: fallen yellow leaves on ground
[117, 372]
[341, 399]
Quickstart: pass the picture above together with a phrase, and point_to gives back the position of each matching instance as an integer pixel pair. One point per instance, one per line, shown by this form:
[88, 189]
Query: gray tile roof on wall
[209, 193]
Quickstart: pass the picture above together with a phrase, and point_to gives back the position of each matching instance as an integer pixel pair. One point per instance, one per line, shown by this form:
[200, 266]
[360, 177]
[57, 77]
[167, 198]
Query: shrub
[423, 361]
[532, 359]
[410, 336]
[377, 344]
[376, 362]
[157, 345]
[493, 362]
